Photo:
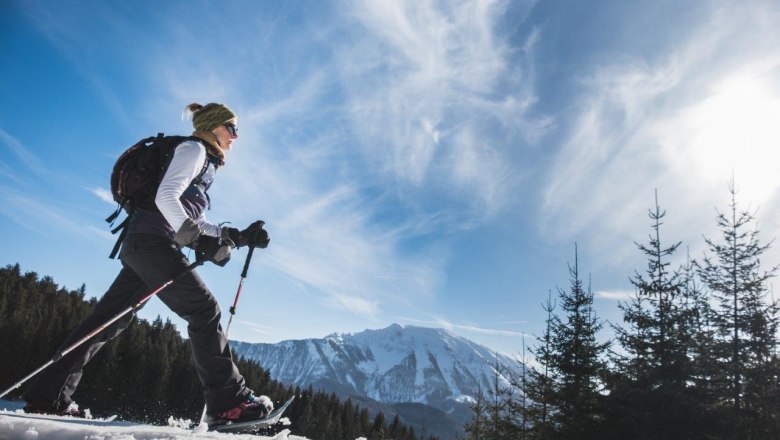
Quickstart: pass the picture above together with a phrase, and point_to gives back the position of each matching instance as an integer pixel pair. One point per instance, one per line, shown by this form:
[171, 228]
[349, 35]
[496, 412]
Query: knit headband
[211, 116]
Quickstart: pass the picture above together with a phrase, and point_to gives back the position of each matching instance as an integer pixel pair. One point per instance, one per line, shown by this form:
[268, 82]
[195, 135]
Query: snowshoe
[252, 408]
[72, 410]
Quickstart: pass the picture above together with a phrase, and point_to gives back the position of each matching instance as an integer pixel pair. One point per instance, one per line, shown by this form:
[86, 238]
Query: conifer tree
[746, 319]
[702, 353]
[477, 428]
[538, 388]
[656, 369]
[575, 363]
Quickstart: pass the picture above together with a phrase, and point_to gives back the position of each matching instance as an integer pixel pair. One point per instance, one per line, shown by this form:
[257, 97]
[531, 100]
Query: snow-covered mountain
[397, 364]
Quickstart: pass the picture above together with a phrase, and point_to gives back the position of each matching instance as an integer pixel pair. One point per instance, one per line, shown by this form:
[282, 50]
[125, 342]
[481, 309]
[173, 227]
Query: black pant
[148, 261]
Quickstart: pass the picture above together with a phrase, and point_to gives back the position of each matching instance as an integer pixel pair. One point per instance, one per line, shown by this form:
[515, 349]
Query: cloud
[257, 328]
[22, 153]
[103, 194]
[614, 295]
[440, 322]
[681, 122]
[388, 120]
[438, 99]
[42, 216]
[355, 305]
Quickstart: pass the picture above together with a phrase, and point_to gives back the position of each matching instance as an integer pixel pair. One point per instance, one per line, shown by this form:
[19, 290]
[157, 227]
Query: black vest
[194, 199]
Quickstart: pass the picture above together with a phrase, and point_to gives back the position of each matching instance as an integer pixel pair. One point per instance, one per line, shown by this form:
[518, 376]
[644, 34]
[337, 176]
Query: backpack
[137, 175]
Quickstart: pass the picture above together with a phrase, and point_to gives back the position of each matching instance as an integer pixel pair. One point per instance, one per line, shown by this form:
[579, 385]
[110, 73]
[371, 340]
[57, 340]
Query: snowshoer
[150, 255]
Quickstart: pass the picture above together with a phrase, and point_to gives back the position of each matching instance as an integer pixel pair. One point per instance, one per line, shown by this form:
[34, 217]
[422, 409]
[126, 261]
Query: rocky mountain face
[406, 370]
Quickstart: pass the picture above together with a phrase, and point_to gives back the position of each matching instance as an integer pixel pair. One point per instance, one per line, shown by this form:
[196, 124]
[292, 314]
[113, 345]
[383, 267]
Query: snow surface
[15, 424]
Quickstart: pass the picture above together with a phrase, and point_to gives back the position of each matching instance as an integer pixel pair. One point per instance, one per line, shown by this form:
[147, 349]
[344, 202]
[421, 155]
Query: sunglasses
[231, 128]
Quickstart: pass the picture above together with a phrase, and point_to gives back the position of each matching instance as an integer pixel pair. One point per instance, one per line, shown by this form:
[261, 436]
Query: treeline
[147, 373]
[695, 356]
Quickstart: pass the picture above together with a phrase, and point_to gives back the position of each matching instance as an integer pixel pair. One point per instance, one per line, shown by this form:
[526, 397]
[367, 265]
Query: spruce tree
[746, 319]
[655, 371]
[477, 428]
[538, 388]
[575, 363]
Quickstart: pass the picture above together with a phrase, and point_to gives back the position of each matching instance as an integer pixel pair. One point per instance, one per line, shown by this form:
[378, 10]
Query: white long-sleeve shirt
[187, 162]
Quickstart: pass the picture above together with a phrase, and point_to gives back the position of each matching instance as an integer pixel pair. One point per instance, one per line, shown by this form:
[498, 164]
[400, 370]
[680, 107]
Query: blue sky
[420, 162]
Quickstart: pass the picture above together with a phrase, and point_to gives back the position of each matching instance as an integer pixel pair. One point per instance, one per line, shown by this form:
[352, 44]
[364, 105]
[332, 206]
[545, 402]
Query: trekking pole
[240, 286]
[233, 308]
[60, 354]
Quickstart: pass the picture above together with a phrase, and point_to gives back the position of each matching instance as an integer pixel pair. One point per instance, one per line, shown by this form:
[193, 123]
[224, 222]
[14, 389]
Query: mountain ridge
[394, 366]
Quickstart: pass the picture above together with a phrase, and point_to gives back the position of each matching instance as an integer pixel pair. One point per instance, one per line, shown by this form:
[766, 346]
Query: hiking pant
[148, 261]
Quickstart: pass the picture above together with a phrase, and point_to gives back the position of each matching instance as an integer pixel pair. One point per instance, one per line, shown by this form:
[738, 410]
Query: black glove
[254, 235]
[213, 249]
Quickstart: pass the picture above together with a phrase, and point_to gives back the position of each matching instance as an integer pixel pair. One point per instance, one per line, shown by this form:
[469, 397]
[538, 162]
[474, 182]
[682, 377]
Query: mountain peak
[394, 365]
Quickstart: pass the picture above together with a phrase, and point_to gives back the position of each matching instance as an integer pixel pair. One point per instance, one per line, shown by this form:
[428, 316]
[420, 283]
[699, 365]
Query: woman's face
[226, 134]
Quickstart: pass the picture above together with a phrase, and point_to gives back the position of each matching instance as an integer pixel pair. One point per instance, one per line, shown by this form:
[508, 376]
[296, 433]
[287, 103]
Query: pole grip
[246, 263]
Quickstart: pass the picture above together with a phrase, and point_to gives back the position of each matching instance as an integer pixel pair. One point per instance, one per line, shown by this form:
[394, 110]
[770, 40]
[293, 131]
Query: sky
[417, 162]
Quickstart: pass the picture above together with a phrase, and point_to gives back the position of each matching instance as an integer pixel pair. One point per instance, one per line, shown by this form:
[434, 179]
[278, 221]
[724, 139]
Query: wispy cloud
[467, 328]
[43, 217]
[433, 96]
[255, 327]
[682, 123]
[356, 305]
[103, 194]
[22, 153]
[614, 295]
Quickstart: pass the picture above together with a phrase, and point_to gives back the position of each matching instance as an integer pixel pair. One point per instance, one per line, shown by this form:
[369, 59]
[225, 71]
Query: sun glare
[736, 132]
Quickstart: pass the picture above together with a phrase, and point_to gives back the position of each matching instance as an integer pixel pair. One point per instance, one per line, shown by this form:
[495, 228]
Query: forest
[147, 373]
[695, 356]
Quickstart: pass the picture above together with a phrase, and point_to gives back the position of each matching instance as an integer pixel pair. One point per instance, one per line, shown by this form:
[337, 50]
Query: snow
[15, 424]
[372, 362]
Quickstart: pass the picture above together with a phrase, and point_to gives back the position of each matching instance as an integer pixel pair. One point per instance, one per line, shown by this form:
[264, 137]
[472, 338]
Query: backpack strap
[123, 227]
[210, 158]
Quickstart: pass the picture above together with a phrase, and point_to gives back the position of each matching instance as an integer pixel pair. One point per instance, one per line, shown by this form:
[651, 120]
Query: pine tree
[702, 353]
[747, 321]
[500, 415]
[575, 362]
[538, 388]
[656, 370]
[477, 429]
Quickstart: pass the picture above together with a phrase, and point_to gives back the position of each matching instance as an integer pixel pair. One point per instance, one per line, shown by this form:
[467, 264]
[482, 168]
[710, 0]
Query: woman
[150, 256]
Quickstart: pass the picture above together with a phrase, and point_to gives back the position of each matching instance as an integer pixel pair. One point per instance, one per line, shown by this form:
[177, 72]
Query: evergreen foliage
[656, 373]
[747, 323]
[576, 363]
[147, 373]
[695, 358]
[565, 394]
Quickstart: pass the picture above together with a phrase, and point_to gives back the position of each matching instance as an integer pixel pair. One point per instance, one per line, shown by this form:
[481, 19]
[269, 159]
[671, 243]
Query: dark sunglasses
[231, 128]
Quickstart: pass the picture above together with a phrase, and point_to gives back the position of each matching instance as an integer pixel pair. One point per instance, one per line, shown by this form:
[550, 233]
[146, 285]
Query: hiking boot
[253, 408]
[72, 409]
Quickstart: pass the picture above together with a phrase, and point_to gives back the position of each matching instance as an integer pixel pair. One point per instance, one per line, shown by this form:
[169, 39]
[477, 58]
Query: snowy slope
[397, 364]
[14, 424]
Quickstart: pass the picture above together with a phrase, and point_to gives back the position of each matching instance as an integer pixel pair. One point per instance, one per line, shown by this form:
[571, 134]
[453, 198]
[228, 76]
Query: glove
[213, 249]
[188, 233]
[254, 235]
